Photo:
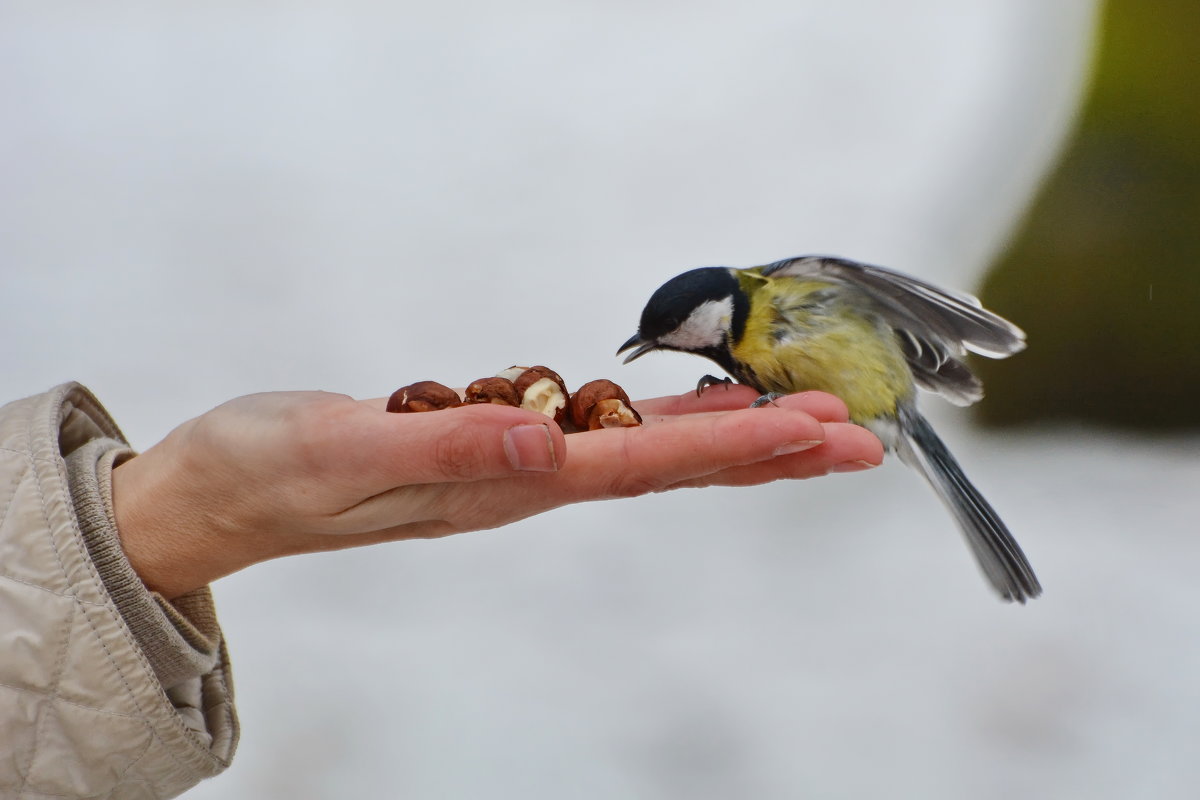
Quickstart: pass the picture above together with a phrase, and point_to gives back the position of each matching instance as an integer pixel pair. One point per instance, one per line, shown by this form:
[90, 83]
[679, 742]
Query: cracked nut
[512, 373]
[423, 396]
[543, 390]
[602, 404]
[499, 391]
[613, 413]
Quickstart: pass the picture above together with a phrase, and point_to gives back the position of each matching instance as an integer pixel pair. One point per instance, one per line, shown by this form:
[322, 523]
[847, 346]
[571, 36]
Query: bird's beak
[642, 346]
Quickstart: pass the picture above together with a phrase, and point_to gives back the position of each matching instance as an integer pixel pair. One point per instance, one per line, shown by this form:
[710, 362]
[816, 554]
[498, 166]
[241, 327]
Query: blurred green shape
[1104, 271]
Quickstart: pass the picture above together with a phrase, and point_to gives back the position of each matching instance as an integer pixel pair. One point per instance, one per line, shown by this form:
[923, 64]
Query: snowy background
[200, 203]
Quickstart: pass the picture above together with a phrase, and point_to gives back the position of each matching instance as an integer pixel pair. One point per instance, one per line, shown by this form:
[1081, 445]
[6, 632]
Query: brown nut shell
[422, 396]
[499, 391]
[591, 393]
[543, 390]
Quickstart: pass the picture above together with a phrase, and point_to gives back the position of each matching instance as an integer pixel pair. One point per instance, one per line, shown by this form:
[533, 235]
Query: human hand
[282, 473]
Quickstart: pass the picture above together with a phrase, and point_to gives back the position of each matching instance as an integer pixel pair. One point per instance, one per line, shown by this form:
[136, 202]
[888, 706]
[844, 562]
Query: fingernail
[530, 448]
[858, 465]
[796, 447]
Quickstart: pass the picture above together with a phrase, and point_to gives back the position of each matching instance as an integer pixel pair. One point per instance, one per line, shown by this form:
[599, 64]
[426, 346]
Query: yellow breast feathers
[803, 335]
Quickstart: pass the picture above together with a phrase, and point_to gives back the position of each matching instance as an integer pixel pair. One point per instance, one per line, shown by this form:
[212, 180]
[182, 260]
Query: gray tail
[994, 547]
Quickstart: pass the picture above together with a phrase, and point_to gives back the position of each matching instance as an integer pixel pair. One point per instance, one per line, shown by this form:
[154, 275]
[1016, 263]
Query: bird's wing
[923, 310]
[936, 326]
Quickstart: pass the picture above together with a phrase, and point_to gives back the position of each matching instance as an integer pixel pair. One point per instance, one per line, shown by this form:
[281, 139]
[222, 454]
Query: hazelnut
[422, 396]
[492, 390]
[541, 389]
[602, 404]
[512, 373]
[613, 413]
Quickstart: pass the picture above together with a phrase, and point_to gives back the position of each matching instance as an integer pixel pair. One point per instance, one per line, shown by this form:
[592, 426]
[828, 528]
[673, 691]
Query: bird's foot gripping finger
[768, 398]
[711, 380]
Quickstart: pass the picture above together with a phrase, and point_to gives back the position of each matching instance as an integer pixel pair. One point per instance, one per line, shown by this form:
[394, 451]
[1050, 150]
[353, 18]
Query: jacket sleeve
[105, 689]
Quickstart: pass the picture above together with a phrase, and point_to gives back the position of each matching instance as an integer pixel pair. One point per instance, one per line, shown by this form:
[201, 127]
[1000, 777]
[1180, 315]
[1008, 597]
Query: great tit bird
[867, 334]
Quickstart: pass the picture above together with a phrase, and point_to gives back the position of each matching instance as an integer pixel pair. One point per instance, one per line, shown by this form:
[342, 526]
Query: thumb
[469, 443]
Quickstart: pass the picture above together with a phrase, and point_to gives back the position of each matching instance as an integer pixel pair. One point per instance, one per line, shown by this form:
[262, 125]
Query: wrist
[172, 543]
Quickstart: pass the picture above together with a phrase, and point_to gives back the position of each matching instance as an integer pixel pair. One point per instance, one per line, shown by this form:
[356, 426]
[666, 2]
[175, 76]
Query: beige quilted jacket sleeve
[106, 691]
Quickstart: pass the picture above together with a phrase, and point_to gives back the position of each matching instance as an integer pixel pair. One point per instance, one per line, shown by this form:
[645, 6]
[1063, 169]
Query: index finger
[625, 462]
[821, 405]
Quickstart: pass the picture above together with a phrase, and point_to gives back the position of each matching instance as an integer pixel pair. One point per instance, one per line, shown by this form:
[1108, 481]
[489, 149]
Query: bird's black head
[700, 311]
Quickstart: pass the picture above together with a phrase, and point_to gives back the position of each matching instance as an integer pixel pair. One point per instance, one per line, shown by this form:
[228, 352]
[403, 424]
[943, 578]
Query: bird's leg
[709, 380]
[768, 398]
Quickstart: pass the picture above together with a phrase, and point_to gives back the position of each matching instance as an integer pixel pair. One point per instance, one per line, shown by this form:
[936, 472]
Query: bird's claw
[767, 399]
[710, 380]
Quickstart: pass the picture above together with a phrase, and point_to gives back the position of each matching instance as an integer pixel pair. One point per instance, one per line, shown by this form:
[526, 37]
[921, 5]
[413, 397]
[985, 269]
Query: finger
[727, 397]
[469, 443]
[632, 461]
[606, 463]
[847, 448]
[825, 407]
[822, 405]
[379, 403]
[733, 449]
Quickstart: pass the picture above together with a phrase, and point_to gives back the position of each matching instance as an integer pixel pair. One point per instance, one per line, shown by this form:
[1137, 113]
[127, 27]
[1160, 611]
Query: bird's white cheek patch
[706, 326]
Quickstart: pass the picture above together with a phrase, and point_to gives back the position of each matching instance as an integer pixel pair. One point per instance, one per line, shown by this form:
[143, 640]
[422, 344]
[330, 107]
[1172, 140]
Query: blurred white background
[199, 203]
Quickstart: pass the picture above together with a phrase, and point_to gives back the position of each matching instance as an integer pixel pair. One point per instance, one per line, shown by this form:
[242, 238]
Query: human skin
[282, 473]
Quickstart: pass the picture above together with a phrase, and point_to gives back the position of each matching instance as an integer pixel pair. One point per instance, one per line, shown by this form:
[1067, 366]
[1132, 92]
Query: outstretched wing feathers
[936, 372]
[936, 326]
[954, 320]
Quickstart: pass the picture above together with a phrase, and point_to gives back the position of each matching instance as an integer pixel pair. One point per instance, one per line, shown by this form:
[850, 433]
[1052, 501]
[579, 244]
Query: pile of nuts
[597, 404]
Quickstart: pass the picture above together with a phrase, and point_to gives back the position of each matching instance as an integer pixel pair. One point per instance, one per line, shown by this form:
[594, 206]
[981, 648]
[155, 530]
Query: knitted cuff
[180, 638]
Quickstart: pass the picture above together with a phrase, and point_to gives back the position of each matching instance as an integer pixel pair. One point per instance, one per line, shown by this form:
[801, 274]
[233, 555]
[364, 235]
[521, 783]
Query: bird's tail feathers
[995, 549]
